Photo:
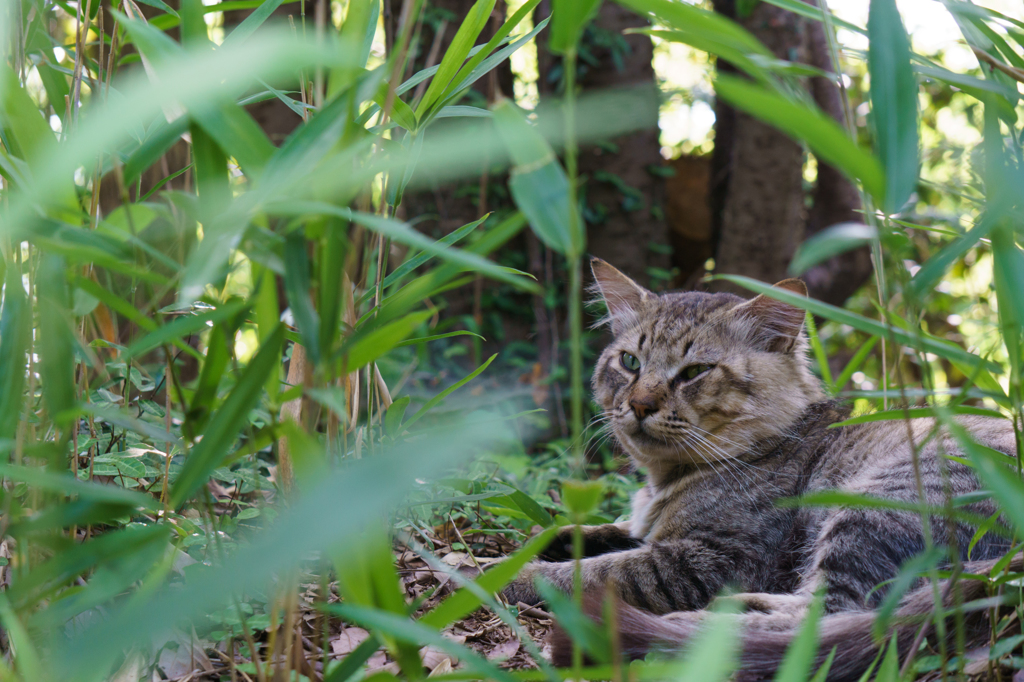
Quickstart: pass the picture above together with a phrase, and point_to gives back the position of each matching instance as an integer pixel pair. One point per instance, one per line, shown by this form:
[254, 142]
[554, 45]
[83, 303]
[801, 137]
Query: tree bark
[758, 200]
[624, 200]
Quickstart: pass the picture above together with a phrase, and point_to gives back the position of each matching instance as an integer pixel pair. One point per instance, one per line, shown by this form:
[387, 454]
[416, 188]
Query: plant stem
[575, 262]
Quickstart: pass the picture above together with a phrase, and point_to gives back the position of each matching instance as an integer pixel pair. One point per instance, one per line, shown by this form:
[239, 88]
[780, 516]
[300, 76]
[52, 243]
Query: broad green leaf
[920, 340]
[30, 664]
[228, 421]
[433, 402]
[538, 182]
[568, 19]
[365, 347]
[830, 242]
[393, 417]
[15, 331]
[823, 135]
[517, 499]
[893, 103]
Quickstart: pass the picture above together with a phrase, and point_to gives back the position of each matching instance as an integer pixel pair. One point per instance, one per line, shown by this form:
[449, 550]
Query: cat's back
[877, 458]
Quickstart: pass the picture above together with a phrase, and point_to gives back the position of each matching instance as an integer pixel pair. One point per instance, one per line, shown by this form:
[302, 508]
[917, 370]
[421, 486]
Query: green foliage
[145, 365]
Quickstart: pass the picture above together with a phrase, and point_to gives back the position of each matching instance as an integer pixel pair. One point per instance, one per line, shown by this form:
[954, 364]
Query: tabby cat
[713, 396]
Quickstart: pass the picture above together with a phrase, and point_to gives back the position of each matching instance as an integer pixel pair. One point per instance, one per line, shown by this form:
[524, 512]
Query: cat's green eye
[630, 362]
[694, 371]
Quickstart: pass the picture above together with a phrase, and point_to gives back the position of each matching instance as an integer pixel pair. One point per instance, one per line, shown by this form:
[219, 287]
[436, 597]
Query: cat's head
[693, 377]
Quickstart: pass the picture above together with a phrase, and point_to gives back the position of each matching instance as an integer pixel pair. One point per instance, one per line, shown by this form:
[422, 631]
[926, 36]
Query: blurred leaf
[909, 573]
[803, 650]
[395, 413]
[830, 242]
[184, 325]
[920, 340]
[538, 182]
[416, 633]
[855, 362]
[15, 331]
[822, 134]
[714, 654]
[65, 484]
[582, 497]
[267, 318]
[30, 665]
[583, 630]
[889, 669]
[252, 22]
[297, 282]
[55, 342]
[814, 12]
[30, 137]
[568, 19]
[403, 233]
[430, 404]
[435, 337]
[228, 422]
[893, 103]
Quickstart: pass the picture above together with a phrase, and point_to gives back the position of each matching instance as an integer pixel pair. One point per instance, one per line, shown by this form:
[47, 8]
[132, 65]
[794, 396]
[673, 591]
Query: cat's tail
[765, 639]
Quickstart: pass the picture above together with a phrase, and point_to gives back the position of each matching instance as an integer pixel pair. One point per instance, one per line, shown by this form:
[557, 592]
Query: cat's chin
[652, 449]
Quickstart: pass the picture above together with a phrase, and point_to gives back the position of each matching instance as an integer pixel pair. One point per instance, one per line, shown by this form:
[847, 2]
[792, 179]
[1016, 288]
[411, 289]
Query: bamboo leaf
[15, 330]
[893, 103]
[821, 133]
[456, 54]
[919, 340]
[228, 422]
[430, 404]
[830, 242]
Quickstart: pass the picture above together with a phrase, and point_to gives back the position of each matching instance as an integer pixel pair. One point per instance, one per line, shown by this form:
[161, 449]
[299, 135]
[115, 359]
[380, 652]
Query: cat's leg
[657, 577]
[597, 540]
[856, 551]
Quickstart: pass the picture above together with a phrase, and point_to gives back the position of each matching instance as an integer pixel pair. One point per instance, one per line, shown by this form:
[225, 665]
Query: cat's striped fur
[715, 399]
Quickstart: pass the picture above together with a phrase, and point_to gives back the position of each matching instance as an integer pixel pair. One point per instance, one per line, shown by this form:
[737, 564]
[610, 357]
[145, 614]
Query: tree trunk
[623, 200]
[759, 213]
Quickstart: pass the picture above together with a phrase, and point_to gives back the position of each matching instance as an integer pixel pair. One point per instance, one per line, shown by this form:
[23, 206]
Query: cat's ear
[622, 295]
[776, 325]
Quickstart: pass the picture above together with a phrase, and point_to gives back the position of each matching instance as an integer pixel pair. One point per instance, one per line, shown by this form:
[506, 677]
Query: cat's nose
[643, 406]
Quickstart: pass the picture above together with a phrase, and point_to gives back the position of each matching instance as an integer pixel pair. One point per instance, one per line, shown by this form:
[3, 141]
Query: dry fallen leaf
[504, 651]
[346, 642]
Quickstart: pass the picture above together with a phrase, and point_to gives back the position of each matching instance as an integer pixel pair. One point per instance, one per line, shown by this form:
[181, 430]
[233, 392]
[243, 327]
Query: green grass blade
[185, 325]
[297, 280]
[855, 363]
[448, 391]
[920, 340]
